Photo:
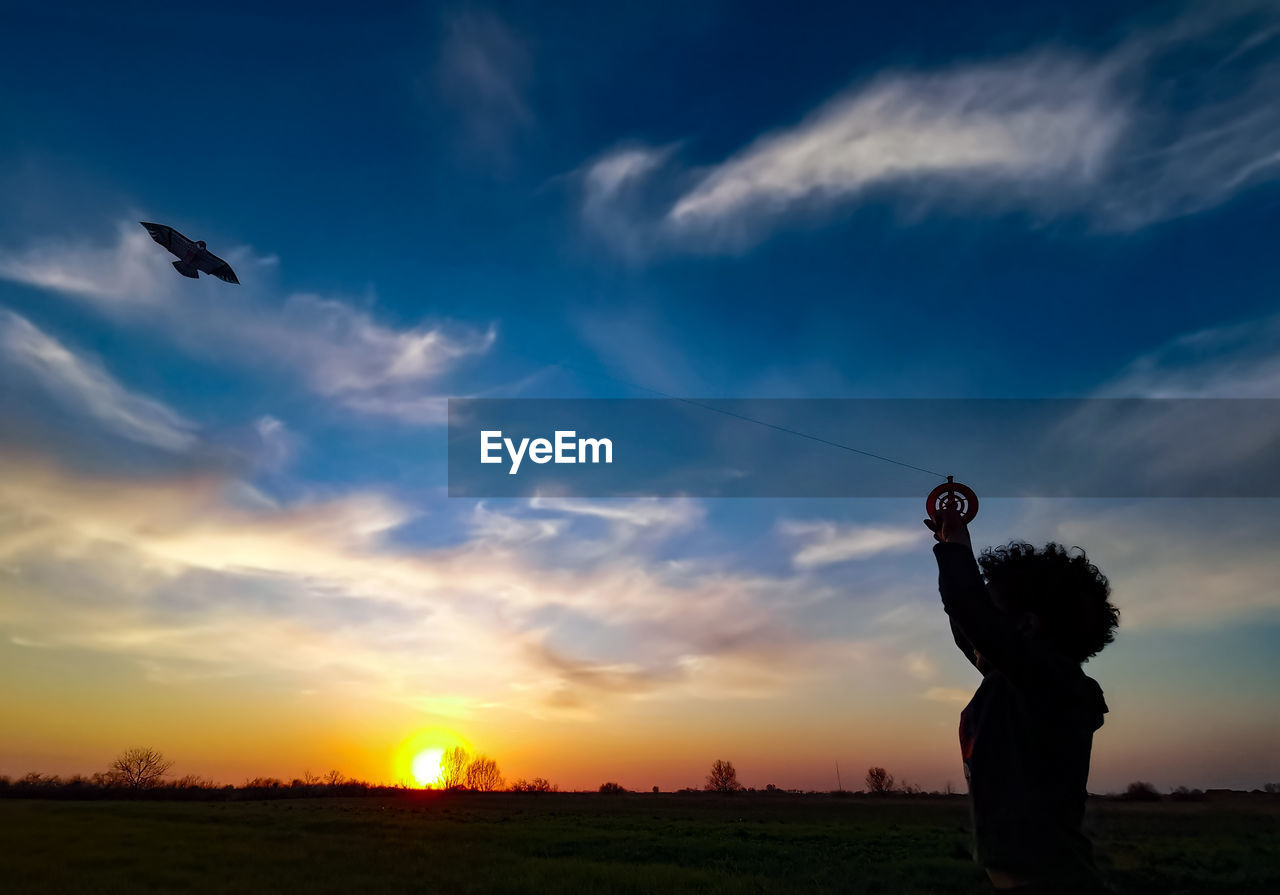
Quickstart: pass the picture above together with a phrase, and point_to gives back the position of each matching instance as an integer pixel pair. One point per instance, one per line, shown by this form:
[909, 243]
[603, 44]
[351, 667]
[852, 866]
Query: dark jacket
[1025, 737]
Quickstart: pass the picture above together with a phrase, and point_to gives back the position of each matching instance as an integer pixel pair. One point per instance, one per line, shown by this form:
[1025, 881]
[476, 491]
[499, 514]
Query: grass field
[506, 842]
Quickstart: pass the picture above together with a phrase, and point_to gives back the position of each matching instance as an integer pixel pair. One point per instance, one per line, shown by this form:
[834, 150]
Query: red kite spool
[952, 495]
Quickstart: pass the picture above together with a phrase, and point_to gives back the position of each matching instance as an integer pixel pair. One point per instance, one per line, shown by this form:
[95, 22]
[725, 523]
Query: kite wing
[215, 266]
[189, 253]
[170, 238]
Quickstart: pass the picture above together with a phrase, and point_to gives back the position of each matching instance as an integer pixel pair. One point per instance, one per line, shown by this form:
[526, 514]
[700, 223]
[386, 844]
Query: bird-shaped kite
[192, 255]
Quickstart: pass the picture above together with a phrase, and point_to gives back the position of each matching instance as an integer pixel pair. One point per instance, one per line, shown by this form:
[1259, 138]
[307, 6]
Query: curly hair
[1061, 587]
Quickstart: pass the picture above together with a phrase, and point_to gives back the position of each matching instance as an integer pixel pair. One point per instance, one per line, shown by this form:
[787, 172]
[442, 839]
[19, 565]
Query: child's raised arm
[977, 625]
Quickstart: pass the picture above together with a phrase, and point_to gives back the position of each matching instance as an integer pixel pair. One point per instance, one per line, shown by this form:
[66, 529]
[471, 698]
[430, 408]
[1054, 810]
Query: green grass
[460, 843]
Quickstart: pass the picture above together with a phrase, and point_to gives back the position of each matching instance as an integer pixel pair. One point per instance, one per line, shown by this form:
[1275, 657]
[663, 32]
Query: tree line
[145, 772]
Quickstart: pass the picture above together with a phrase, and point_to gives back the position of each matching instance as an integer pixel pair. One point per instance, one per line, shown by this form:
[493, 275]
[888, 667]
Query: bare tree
[723, 777]
[483, 775]
[537, 784]
[140, 767]
[453, 767]
[334, 778]
[879, 780]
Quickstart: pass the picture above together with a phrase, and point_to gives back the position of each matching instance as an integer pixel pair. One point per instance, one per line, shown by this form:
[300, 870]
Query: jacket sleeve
[975, 621]
[963, 643]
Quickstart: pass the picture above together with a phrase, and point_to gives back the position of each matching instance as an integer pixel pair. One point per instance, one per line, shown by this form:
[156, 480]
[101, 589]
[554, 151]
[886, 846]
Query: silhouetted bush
[1182, 794]
[879, 781]
[1138, 791]
[537, 784]
[612, 788]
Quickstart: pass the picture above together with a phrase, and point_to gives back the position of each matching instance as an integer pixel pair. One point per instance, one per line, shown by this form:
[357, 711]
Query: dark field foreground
[505, 842]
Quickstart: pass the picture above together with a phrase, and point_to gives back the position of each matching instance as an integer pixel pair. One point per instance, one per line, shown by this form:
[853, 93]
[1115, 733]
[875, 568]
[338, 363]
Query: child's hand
[949, 527]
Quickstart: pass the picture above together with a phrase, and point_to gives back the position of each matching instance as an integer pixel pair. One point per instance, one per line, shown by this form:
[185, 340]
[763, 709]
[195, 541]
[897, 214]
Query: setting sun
[417, 758]
[425, 766]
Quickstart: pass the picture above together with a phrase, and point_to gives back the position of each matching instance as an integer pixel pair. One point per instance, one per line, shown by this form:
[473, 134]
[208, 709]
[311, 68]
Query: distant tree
[612, 788]
[879, 780]
[482, 775]
[453, 767]
[34, 778]
[263, 783]
[537, 784]
[140, 768]
[1138, 791]
[1271, 787]
[655, 789]
[771, 788]
[723, 777]
[1183, 794]
[334, 778]
[309, 779]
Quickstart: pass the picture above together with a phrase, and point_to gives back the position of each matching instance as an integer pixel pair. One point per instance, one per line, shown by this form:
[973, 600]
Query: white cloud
[84, 385]
[921, 666]
[665, 513]
[1180, 564]
[339, 350]
[129, 273]
[177, 564]
[1053, 132]
[1193, 446]
[1232, 360]
[277, 444]
[344, 353]
[483, 70]
[824, 543]
[1047, 118]
[616, 204]
[495, 527]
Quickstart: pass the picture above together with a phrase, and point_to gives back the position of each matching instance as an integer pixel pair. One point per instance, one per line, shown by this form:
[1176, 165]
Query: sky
[224, 526]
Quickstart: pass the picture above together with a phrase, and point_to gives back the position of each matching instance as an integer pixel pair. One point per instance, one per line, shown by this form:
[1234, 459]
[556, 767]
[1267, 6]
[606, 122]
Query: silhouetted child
[1026, 735]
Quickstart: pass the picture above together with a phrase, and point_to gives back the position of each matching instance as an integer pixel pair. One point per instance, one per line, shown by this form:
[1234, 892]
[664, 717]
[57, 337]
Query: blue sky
[739, 200]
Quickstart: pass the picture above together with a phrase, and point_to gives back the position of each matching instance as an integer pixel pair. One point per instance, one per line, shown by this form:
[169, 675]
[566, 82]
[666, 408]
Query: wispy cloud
[483, 71]
[823, 543]
[180, 562]
[341, 351]
[82, 384]
[346, 354]
[956, 695]
[619, 202]
[129, 273]
[668, 515]
[1052, 132]
[1046, 120]
[1232, 360]
[1179, 564]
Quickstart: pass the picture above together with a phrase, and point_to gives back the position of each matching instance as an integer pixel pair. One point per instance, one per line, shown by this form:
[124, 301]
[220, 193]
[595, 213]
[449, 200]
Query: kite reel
[951, 495]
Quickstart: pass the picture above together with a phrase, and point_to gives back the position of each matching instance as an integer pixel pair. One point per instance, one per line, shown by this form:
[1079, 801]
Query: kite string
[751, 419]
